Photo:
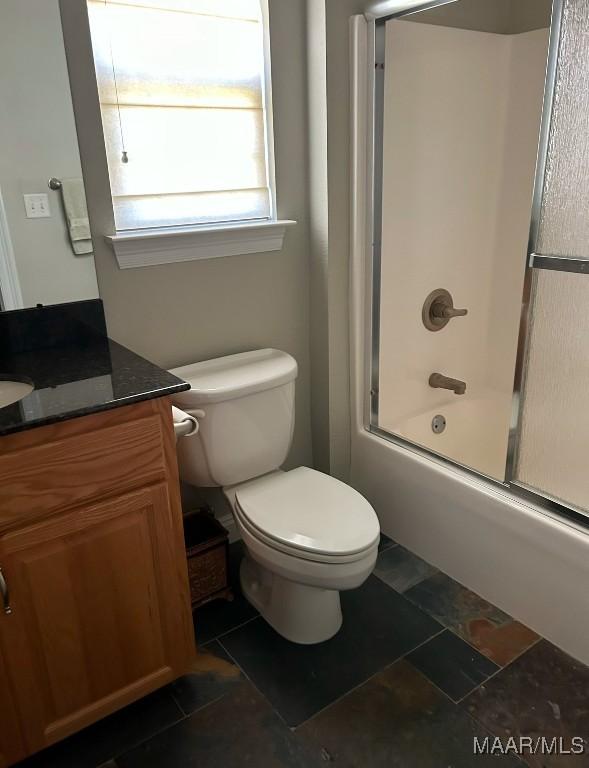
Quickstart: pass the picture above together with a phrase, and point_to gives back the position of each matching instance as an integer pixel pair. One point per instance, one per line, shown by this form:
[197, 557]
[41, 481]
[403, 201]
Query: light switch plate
[37, 206]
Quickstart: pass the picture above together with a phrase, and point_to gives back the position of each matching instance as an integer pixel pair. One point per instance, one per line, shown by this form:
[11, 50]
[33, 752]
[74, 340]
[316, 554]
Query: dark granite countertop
[78, 379]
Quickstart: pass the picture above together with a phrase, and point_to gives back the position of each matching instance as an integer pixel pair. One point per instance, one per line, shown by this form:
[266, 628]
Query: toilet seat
[308, 515]
[293, 553]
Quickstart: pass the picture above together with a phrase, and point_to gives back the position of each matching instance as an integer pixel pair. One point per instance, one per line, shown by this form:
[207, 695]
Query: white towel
[76, 213]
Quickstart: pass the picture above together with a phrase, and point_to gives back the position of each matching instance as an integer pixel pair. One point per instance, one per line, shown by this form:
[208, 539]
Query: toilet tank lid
[226, 378]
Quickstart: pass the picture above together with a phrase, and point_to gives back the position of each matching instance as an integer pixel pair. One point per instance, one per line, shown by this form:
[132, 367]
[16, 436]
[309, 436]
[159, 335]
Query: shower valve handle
[439, 309]
[444, 312]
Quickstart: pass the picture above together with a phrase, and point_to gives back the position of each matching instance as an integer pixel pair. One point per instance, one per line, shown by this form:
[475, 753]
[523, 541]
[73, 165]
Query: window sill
[147, 247]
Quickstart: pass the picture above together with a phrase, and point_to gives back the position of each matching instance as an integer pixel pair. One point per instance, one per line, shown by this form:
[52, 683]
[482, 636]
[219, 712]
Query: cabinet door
[100, 613]
[11, 745]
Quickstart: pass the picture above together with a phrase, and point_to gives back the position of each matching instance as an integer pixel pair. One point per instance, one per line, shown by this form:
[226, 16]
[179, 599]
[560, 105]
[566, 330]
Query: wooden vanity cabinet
[11, 744]
[92, 553]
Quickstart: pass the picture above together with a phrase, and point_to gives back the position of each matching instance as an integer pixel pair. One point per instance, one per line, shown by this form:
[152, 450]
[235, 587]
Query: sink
[13, 391]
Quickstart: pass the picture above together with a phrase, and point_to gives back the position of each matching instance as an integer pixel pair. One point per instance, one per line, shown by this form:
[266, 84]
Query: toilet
[307, 535]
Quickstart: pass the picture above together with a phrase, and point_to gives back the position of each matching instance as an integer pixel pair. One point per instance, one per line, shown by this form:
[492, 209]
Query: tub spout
[439, 381]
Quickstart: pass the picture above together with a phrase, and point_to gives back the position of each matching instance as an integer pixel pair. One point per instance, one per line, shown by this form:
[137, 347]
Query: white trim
[147, 247]
[268, 108]
[9, 284]
[382, 8]
[362, 85]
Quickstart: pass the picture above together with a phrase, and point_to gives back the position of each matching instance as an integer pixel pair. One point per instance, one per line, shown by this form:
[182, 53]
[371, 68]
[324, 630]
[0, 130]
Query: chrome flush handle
[5, 594]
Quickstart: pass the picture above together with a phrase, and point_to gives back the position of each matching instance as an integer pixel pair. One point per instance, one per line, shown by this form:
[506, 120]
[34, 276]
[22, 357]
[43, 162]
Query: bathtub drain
[438, 424]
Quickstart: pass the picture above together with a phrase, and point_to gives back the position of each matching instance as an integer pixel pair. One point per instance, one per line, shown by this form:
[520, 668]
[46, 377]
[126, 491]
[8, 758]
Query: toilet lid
[307, 510]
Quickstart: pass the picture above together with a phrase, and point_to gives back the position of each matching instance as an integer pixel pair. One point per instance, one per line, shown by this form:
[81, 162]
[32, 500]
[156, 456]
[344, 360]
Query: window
[184, 102]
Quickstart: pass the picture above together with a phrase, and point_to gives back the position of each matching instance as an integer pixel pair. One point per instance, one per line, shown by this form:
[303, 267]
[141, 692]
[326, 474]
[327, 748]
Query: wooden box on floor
[207, 550]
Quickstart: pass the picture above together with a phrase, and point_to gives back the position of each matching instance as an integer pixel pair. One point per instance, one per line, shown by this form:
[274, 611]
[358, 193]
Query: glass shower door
[553, 446]
[553, 455]
[461, 108]
[457, 177]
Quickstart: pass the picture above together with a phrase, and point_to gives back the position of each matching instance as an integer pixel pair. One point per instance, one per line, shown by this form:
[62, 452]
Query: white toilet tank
[248, 405]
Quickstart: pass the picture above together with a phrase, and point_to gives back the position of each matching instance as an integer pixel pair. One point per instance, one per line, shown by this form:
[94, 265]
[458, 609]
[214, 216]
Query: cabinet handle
[5, 594]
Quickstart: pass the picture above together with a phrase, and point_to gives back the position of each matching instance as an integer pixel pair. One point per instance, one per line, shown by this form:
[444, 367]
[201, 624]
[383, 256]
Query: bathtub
[517, 553]
[475, 435]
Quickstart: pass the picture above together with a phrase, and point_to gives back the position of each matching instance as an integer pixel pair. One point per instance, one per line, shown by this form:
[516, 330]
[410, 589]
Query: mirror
[45, 246]
[461, 90]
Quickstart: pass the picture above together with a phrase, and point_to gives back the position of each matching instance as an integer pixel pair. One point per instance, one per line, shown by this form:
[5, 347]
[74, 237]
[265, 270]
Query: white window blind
[182, 95]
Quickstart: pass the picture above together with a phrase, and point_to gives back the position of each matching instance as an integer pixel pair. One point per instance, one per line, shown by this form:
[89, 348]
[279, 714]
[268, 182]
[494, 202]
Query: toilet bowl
[307, 535]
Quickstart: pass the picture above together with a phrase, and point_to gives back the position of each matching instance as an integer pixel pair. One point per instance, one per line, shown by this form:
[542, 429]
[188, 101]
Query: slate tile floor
[300, 680]
[492, 632]
[420, 667]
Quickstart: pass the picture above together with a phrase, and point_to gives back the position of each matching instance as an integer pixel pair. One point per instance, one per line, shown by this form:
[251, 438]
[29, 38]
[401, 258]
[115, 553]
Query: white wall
[179, 313]
[328, 66]
[525, 91]
[318, 232]
[338, 13]
[500, 16]
[527, 15]
[462, 115]
[38, 140]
